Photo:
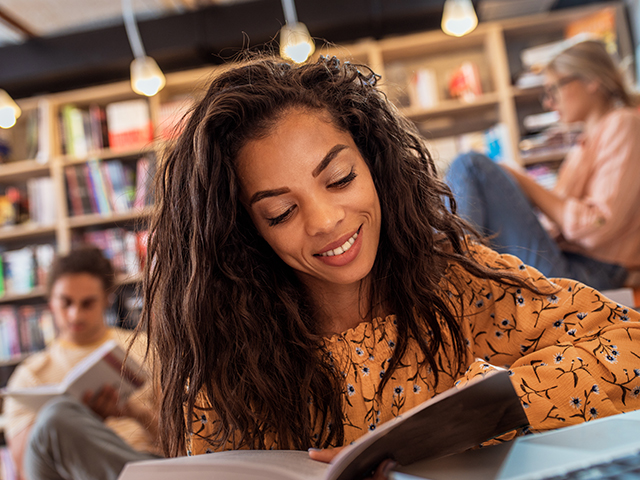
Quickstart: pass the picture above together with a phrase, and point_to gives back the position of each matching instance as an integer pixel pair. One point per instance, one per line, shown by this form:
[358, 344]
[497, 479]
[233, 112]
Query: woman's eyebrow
[324, 163]
[256, 197]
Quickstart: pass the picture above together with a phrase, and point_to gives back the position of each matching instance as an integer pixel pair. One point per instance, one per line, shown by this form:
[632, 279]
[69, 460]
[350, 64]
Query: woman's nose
[323, 216]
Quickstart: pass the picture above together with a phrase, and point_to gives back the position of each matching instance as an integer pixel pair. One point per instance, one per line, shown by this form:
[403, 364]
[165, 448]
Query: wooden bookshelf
[492, 47]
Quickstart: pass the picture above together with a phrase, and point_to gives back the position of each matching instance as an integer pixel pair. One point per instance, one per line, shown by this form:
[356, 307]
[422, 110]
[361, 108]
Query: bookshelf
[498, 106]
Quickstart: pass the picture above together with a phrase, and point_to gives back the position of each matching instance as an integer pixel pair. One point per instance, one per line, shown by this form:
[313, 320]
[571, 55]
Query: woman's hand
[328, 454]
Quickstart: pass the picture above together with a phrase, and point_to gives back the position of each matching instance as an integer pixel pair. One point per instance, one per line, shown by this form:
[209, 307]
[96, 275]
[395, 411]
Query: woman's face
[569, 95]
[311, 197]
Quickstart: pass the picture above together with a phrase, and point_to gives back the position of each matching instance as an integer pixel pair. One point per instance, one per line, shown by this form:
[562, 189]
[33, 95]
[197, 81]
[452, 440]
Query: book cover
[99, 188]
[10, 334]
[143, 178]
[86, 195]
[450, 422]
[104, 366]
[129, 123]
[92, 193]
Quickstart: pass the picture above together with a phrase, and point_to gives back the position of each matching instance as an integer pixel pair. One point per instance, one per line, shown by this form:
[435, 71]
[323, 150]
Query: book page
[34, 397]
[104, 367]
[233, 465]
[450, 422]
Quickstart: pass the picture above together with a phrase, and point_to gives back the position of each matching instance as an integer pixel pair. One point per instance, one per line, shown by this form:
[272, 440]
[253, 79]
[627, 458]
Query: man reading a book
[67, 439]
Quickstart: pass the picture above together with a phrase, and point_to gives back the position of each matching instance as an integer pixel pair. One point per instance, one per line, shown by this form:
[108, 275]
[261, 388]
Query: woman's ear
[593, 86]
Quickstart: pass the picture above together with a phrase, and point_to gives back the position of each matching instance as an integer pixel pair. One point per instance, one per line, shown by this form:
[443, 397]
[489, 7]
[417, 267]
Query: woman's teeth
[342, 248]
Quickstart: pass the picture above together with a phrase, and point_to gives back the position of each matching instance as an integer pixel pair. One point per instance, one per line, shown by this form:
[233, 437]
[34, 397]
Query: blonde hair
[591, 61]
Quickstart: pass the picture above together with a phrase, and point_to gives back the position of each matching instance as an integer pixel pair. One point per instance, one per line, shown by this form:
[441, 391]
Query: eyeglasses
[551, 91]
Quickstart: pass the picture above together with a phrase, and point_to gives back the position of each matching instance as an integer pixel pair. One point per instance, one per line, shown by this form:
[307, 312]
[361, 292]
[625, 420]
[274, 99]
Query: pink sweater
[600, 178]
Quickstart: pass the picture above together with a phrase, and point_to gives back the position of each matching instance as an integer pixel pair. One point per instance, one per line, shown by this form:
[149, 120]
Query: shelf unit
[494, 47]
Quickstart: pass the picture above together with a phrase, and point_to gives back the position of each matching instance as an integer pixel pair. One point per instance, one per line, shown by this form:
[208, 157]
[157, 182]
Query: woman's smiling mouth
[342, 248]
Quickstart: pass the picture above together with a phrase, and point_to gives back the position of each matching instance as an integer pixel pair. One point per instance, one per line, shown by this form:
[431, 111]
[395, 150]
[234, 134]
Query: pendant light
[9, 110]
[458, 17]
[295, 42]
[146, 76]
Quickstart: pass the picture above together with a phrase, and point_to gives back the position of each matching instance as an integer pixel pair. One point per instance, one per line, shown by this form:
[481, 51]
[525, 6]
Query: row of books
[425, 85]
[125, 248]
[600, 25]
[30, 202]
[24, 269]
[107, 187]
[24, 329]
[119, 125]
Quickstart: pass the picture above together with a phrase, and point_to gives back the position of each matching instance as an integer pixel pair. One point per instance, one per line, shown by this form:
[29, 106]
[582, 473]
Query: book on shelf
[554, 141]
[451, 422]
[9, 333]
[492, 142]
[19, 270]
[26, 268]
[98, 187]
[423, 88]
[44, 255]
[464, 82]
[42, 208]
[545, 175]
[73, 127]
[119, 245]
[83, 129]
[37, 327]
[600, 24]
[111, 186]
[107, 365]
[144, 179]
[74, 194]
[129, 123]
[119, 187]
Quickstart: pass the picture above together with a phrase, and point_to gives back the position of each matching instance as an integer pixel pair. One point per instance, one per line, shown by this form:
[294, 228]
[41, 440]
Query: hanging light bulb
[9, 110]
[458, 17]
[295, 41]
[146, 76]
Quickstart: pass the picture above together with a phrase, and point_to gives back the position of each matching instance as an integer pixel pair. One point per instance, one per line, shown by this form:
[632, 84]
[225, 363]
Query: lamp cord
[132, 29]
[290, 16]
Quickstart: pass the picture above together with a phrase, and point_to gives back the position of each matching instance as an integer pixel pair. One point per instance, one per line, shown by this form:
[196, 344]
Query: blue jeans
[492, 201]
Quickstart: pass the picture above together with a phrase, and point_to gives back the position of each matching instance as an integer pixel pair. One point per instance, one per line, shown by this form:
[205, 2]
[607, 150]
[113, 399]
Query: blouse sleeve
[611, 187]
[573, 355]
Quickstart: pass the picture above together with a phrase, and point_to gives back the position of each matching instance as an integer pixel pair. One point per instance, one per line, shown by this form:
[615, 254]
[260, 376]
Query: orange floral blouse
[573, 355]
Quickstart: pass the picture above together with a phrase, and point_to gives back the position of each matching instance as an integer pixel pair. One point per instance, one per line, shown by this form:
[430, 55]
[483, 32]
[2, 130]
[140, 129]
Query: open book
[450, 422]
[105, 365]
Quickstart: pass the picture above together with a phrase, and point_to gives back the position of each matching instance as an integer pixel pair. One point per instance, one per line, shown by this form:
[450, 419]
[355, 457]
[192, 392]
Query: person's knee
[470, 161]
[56, 416]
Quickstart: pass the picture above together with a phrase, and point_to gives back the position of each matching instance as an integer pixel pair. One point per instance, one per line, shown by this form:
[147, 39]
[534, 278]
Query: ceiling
[50, 45]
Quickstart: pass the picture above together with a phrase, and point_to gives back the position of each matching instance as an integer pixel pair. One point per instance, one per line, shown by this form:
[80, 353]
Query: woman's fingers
[324, 455]
[327, 454]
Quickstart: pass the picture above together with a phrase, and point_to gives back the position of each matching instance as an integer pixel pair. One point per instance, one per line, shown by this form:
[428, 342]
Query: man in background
[68, 439]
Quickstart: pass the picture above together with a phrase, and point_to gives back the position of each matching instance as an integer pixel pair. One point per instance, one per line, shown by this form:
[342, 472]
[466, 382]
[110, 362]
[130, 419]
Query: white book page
[234, 465]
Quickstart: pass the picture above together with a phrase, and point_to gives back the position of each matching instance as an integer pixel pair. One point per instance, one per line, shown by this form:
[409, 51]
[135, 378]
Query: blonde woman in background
[589, 229]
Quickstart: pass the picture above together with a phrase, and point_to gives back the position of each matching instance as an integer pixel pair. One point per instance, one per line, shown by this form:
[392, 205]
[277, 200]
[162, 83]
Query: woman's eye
[281, 218]
[343, 182]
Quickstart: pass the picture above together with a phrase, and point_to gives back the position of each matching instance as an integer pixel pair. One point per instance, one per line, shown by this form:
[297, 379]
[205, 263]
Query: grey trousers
[70, 442]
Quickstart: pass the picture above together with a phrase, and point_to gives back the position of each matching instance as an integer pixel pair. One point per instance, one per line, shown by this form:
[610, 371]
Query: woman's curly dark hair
[229, 322]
